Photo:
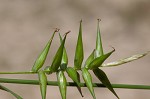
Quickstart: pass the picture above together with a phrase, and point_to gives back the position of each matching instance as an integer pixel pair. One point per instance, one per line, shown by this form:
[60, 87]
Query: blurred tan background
[26, 26]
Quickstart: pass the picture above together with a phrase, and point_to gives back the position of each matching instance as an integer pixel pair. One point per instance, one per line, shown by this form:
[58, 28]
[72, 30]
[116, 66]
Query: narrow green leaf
[90, 58]
[42, 57]
[64, 61]
[99, 47]
[104, 79]
[79, 54]
[8, 90]
[125, 60]
[88, 81]
[99, 60]
[58, 57]
[62, 83]
[43, 83]
[78, 87]
[74, 75]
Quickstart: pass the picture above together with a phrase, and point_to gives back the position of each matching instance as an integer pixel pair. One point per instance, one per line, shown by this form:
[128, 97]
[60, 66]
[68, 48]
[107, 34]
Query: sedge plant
[59, 65]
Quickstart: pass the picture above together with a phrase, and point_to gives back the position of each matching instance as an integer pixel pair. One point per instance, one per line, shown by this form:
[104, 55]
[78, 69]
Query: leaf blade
[62, 83]
[99, 48]
[125, 60]
[104, 79]
[57, 58]
[64, 61]
[99, 60]
[88, 81]
[79, 53]
[43, 83]
[74, 75]
[42, 57]
[90, 58]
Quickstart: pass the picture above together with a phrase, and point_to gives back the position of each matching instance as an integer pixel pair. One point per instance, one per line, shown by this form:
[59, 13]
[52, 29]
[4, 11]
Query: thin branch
[23, 72]
[71, 84]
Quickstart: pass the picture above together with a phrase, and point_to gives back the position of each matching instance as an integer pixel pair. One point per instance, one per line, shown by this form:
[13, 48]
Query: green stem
[55, 83]
[24, 72]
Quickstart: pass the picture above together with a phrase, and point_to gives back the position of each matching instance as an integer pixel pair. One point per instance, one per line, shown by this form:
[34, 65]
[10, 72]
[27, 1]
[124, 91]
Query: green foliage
[97, 62]
[43, 83]
[79, 54]
[64, 61]
[42, 57]
[74, 75]
[104, 79]
[88, 81]
[57, 58]
[59, 65]
[99, 47]
[62, 83]
[90, 59]
[125, 60]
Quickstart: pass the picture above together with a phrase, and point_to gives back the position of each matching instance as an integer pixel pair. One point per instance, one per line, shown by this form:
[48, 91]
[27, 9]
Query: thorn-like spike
[57, 30]
[67, 33]
[99, 20]
[81, 21]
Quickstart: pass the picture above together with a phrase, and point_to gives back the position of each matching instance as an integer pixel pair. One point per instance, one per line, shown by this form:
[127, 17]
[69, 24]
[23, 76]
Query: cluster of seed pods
[59, 65]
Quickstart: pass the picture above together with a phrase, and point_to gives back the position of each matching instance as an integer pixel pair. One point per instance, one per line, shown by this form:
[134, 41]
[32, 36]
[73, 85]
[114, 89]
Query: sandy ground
[26, 26]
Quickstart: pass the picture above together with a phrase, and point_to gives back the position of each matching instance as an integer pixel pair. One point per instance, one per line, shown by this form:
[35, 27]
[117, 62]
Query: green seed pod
[74, 75]
[90, 59]
[64, 61]
[62, 83]
[43, 83]
[97, 62]
[79, 54]
[42, 57]
[125, 60]
[99, 47]
[88, 81]
[104, 79]
[58, 57]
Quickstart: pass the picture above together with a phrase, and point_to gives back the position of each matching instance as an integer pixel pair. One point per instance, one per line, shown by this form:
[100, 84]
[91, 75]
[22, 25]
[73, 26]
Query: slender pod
[99, 48]
[97, 62]
[43, 83]
[125, 60]
[62, 83]
[90, 58]
[79, 53]
[64, 61]
[42, 57]
[58, 57]
[79, 87]
[74, 75]
[88, 81]
[104, 79]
